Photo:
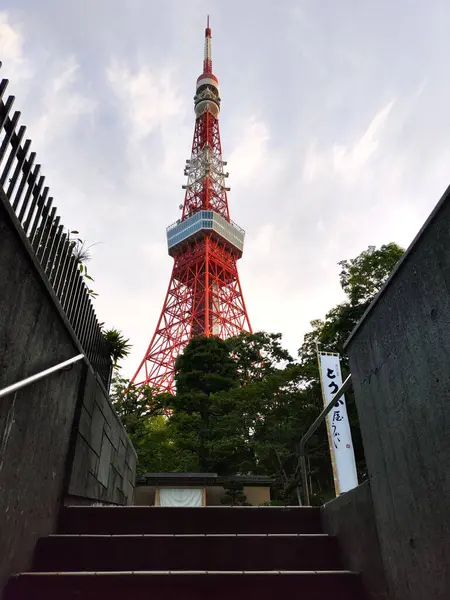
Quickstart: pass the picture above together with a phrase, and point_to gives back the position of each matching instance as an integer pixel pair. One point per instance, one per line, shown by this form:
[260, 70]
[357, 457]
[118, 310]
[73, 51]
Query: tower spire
[207, 62]
[204, 295]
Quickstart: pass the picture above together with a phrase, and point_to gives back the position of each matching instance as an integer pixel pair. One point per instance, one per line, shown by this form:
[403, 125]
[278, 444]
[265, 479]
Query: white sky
[335, 124]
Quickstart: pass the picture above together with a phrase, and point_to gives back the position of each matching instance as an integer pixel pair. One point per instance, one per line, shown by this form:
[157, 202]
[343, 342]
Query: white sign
[339, 434]
[176, 497]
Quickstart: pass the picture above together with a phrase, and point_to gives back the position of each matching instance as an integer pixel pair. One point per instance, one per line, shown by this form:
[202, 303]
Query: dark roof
[248, 479]
[200, 478]
[176, 478]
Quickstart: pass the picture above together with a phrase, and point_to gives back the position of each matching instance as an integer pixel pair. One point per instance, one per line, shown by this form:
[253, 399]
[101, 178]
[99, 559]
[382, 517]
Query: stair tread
[191, 585]
[186, 535]
[176, 508]
[208, 519]
[186, 552]
[197, 553]
[183, 572]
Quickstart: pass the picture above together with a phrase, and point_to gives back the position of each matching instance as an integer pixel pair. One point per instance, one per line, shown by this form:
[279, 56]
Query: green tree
[258, 355]
[289, 410]
[361, 279]
[205, 368]
[142, 414]
[118, 347]
[225, 389]
[243, 404]
[234, 494]
[240, 404]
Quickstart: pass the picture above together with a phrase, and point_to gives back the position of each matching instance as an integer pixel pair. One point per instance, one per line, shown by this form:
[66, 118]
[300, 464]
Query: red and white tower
[204, 295]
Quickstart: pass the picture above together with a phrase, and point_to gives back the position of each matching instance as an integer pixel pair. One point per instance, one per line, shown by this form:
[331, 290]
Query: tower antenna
[207, 61]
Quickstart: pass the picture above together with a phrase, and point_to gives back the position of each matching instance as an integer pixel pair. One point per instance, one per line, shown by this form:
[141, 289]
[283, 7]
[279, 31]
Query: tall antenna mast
[207, 61]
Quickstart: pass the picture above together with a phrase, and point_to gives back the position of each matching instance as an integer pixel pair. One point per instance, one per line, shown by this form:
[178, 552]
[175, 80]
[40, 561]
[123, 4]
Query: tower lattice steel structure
[204, 295]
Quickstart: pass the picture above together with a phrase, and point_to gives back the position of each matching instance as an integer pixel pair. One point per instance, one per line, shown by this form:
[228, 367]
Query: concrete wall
[400, 365]
[41, 425]
[351, 519]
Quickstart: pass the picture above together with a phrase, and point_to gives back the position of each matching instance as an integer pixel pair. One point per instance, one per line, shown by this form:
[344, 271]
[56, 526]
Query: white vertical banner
[339, 434]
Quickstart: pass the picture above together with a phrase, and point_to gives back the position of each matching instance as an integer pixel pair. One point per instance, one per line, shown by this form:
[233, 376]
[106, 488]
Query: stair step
[210, 519]
[193, 585]
[212, 552]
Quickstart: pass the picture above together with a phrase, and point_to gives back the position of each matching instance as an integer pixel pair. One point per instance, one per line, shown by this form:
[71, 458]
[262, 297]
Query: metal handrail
[41, 375]
[329, 407]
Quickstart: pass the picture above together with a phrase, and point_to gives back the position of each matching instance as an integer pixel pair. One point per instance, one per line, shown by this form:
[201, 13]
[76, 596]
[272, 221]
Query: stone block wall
[104, 463]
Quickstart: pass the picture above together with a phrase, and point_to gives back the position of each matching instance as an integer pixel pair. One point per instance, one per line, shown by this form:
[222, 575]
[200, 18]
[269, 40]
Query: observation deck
[206, 222]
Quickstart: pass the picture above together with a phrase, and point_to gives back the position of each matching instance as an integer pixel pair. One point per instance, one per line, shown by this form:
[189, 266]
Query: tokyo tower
[204, 295]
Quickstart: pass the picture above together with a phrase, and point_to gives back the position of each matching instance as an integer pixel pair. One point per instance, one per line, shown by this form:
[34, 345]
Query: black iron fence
[23, 184]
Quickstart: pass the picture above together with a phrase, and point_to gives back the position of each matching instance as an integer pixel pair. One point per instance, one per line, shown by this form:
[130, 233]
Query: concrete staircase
[190, 553]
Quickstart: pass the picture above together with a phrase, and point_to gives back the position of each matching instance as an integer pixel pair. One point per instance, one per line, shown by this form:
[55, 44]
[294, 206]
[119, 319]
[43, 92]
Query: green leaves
[141, 411]
[82, 254]
[226, 404]
[234, 494]
[118, 347]
[205, 366]
[257, 354]
[243, 404]
[204, 369]
[362, 277]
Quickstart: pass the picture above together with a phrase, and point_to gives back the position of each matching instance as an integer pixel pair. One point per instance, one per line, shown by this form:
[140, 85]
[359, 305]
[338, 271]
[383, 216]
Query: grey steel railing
[302, 448]
[49, 242]
[32, 378]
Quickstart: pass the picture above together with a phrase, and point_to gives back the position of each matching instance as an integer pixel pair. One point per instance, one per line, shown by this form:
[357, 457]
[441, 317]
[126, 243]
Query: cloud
[150, 97]
[347, 161]
[12, 48]
[11, 41]
[53, 87]
[152, 117]
[322, 162]
[263, 241]
[63, 105]
[314, 164]
[252, 161]
[422, 86]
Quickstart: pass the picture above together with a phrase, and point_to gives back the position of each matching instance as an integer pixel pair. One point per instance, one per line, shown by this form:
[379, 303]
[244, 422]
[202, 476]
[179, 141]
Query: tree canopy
[362, 277]
[242, 404]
